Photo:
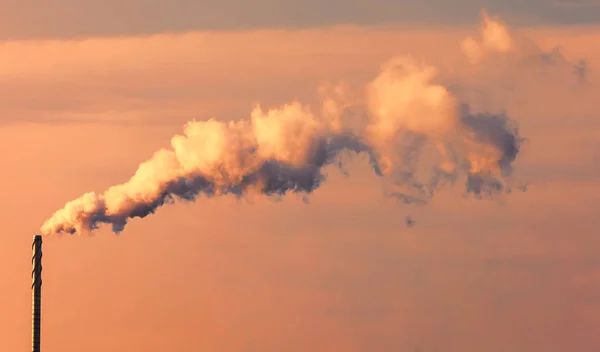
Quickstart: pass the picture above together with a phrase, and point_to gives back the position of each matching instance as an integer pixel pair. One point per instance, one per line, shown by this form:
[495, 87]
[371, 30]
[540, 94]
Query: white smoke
[284, 150]
[495, 38]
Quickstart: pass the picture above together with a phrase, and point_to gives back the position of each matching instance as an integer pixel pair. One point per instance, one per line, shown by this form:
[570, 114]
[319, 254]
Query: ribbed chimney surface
[36, 287]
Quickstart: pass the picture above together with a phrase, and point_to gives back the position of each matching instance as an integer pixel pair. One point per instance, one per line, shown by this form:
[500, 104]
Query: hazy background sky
[343, 273]
[71, 18]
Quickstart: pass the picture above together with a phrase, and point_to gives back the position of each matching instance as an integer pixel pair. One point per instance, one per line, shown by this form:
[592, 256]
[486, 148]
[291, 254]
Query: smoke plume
[495, 38]
[408, 115]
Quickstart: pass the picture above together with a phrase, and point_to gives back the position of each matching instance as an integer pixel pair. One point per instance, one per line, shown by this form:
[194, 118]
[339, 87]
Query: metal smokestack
[36, 287]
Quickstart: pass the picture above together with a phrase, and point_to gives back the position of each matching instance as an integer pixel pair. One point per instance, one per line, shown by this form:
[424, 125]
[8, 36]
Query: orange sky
[341, 274]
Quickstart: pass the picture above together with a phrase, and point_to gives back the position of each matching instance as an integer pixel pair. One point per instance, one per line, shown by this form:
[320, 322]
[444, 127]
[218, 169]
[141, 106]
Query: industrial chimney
[36, 287]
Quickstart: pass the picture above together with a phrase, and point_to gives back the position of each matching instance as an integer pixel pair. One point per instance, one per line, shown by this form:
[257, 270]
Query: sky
[72, 18]
[91, 90]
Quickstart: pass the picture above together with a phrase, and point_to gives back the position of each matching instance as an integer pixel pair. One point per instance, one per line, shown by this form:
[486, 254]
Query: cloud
[510, 71]
[495, 38]
[576, 3]
[73, 19]
[175, 78]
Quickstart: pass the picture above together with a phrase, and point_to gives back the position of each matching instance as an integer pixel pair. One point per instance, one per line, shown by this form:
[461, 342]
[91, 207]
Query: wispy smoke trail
[285, 149]
[495, 38]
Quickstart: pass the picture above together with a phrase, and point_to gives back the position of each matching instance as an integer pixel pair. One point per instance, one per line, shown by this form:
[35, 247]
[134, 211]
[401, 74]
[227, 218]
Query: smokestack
[36, 287]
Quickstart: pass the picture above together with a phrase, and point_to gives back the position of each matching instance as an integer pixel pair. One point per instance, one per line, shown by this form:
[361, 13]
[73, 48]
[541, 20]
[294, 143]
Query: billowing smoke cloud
[408, 112]
[495, 38]
[505, 68]
[410, 119]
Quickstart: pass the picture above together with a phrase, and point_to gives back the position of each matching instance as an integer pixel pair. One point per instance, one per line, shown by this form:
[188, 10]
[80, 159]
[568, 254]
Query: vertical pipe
[36, 287]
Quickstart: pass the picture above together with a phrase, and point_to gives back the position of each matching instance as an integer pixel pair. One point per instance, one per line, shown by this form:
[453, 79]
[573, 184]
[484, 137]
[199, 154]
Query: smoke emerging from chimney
[285, 149]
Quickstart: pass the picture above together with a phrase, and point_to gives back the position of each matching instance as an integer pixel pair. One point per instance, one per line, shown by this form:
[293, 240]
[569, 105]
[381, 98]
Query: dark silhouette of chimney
[36, 287]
